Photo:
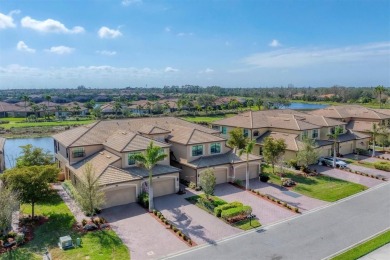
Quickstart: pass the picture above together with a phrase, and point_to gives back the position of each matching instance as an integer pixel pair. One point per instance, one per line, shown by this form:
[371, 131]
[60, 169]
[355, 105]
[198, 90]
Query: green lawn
[244, 224]
[20, 123]
[365, 248]
[320, 187]
[207, 119]
[99, 245]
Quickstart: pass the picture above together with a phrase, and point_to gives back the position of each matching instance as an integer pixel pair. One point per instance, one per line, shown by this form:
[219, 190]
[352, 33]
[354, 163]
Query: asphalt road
[315, 235]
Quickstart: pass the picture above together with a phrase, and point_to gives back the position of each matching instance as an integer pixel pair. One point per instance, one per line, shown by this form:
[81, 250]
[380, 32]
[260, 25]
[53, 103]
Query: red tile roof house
[292, 126]
[191, 149]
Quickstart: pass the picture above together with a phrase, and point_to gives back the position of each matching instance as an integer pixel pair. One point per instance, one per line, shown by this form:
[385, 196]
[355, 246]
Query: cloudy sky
[246, 43]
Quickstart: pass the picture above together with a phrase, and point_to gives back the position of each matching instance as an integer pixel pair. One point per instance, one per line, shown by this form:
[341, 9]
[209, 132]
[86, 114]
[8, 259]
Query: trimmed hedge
[384, 166]
[237, 211]
[143, 199]
[218, 210]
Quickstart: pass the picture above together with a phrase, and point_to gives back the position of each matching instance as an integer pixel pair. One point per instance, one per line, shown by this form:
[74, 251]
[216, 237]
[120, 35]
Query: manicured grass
[207, 119]
[320, 187]
[95, 245]
[244, 224]
[19, 123]
[365, 248]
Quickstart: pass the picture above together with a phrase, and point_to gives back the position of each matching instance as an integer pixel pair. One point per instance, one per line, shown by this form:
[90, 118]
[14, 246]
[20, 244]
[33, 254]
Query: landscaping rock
[90, 227]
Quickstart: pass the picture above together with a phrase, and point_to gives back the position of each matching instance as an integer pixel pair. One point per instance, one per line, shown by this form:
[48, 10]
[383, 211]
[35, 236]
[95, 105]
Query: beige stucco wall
[362, 144]
[346, 147]
[206, 150]
[89, 150]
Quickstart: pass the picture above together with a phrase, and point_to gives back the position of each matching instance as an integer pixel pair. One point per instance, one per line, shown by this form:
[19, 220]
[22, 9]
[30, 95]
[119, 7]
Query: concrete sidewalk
[382, 253]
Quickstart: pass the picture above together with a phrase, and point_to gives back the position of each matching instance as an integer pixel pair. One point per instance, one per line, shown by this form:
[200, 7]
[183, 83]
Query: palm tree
[335, 136]
[385, 133]
[152, 155]
[380, 90]
[44, 108]
[48, 99]
[374, 134]
[166, 106]
[247, 150]
[117, 107]
[26, 99]
[35, 108]
[58, 108]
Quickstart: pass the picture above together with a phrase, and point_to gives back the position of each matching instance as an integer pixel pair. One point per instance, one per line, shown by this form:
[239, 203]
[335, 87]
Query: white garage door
[220, 175]
[163, 186]
[120, 196]
[240, 172]
[346, 148]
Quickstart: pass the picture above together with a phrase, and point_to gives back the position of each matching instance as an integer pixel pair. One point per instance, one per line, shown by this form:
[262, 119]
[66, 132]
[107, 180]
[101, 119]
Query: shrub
[4, 122]
[143, 199]
[19, 238]
[384, 166]
[175, 229]
[96, 221]
[102, 220]
[237, 211]
[239, 182]
[296, 210]
[218, 210]
[84, 222]
[293, 164]
[155, 212]
[264, 177]
[192, 185]
[158, 214]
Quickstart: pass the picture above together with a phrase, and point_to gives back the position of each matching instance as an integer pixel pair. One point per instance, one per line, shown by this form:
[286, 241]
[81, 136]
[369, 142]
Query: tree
[237, 139]
[149, 159]
[58, 109]
[334, 135]
[33, 156]
[247, 150]
[207, 181]
[91, 196]
[380, 90]
[35, 108]
[384, 135]
[259, 103]
[26, 99]
[97, 112]
[44, 108]
[8, 204]
[374, 134]
[307, 154]
[273, 149]
[48, 99]
[31, 183]
[117, 107]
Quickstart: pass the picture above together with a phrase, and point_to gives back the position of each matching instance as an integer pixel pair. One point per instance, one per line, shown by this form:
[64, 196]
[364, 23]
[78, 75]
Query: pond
[306, 106]
[12, 148]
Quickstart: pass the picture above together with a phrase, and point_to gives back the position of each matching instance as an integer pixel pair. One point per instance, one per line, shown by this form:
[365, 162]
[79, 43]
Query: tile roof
[184, 135]
[362, 126]
[349, 136]
[290, 139]
[99, 132]
[152, 130]
[352, 111]
[220, 159]
[112, 175]
[158, 169]
[281, 118]
[129, 141]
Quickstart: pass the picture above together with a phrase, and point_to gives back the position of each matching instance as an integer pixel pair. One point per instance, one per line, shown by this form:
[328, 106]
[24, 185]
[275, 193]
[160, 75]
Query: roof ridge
[78, 138]
[193, 130]
[135, 134]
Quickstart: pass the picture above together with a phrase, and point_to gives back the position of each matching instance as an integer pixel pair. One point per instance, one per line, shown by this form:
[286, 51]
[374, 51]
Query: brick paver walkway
[303, 202]
[265, 211]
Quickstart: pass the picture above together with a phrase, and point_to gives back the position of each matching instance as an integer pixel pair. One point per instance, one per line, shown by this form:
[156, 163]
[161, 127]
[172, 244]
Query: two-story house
[358, 118]
[292, 126]
[108, 146]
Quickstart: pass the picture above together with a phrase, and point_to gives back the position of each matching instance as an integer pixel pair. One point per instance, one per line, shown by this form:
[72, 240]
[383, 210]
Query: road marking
[266, 227]
[358, 243]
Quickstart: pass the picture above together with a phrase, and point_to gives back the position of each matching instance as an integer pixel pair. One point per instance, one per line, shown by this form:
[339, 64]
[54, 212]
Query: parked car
[328, 161]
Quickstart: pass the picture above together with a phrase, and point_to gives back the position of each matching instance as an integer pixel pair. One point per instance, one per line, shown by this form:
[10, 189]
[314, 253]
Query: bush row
[173, 227]
[238, 211]
[384, 166]
[218, 210]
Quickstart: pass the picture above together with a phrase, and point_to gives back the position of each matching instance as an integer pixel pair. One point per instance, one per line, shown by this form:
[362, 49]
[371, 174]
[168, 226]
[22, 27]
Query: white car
[328, 161]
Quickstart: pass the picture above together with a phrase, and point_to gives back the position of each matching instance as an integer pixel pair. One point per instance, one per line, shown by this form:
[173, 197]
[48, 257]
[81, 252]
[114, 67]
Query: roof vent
[101, 153]
[108, 156]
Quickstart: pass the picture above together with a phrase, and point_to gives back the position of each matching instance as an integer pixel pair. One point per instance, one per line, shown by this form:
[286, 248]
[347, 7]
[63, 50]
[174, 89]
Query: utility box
[65, 242]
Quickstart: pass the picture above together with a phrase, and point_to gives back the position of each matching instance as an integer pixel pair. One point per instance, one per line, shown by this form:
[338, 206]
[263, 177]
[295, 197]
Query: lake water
[12, 148]
[306, 106]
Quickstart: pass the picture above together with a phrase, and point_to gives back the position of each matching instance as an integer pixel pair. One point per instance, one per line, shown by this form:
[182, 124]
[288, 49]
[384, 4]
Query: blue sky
[115, 43]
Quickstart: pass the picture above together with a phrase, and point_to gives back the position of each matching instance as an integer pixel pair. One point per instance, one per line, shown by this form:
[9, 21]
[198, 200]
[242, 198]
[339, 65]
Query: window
[261, 150]
[304, 134]
[246, 132]
[223, 130]
[314, 134]
[55, 146]
[215, 148]
[78, 152]
[197, 150]
[256, 133]
[130, 161]
[332, 130]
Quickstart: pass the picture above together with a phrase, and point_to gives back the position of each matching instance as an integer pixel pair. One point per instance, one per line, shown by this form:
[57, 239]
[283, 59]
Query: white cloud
[131, 2]
[170, 69]
[274, 43]
[21, 46]
[106, 53]
[105, 32]
[49, 26]
[207, 71]
[60, 50]
[182, 34]
[167, 29]
[7, 21]
[295, 57]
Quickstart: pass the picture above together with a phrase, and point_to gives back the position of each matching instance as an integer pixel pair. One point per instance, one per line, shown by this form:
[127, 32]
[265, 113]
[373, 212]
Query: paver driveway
[347, 176]
[367, 170]
[303, 202]
[201, 226]
[145, 237]
[265, 211]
